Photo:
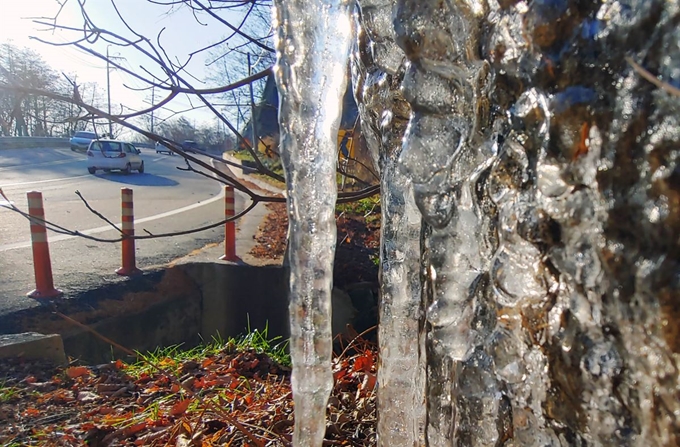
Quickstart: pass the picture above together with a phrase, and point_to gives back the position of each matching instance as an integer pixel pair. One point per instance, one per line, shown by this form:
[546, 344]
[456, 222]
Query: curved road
[165, 200]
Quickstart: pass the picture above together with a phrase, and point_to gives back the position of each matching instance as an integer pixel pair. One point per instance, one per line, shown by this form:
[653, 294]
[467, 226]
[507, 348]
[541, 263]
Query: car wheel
[141, 168]
[127, 169]
[91, 170]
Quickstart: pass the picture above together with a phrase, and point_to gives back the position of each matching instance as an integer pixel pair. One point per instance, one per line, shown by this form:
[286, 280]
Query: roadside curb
[32, 345]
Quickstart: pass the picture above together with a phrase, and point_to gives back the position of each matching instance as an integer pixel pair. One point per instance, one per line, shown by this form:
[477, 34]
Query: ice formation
[377, 74]
[536, 301]
[312, 44]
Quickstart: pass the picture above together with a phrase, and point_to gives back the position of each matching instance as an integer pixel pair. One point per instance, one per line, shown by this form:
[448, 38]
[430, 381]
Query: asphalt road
[165, 200]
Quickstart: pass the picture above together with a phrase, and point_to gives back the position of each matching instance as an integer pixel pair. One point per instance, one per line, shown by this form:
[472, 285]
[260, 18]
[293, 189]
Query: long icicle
[312, 45]
[377, 68]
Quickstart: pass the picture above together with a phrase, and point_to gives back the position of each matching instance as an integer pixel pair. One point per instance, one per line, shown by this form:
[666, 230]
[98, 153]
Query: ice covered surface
[378, 68]
[546, 171]
[312, 44]
[541, 162]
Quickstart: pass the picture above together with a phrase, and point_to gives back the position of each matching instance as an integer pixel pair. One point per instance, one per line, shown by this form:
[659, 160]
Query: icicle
[312, 55]
[401, 377]
[378, 70]
[444, 156]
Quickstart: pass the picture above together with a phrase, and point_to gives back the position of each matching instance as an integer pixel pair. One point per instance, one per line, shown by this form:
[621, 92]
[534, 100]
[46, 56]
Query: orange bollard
[129, 267]
[229, 227]
[42, 265]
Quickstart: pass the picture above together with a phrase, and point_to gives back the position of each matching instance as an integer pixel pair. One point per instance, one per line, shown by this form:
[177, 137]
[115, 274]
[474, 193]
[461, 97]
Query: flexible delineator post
[129, 267]
[230, 226]
[42, 265]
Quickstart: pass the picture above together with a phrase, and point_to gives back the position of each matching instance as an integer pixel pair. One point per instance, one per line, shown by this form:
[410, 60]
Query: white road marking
[45, 181]
[64, 237]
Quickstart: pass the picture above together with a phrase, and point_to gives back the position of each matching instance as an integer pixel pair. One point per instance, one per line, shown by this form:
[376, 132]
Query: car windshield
[108, 146]
[89, 135]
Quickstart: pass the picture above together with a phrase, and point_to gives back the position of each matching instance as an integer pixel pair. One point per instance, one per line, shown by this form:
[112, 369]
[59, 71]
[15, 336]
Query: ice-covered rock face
[547, 170]
[537, 303]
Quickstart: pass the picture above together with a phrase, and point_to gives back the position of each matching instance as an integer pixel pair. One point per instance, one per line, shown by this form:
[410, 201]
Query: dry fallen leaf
[180, 407]
[77, 371]
[135, 428]
[368, 384]
[31, 412]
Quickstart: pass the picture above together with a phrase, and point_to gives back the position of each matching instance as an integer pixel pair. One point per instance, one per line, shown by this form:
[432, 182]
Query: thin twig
[651, 78]
[97, 213]
[65, 231]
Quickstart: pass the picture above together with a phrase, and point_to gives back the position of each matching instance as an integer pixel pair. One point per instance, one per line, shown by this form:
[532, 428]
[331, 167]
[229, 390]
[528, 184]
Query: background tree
[26, 114]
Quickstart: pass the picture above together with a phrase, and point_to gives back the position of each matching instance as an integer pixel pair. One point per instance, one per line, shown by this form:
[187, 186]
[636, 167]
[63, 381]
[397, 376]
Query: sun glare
[15, 20]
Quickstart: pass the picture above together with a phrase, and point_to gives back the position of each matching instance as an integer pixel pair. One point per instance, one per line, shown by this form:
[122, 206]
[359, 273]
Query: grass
[171, 358]
[276, 348]
[369, 207]
[271, 181]
[7, 393]
[243, 155]
[164, 400]
[274, 166]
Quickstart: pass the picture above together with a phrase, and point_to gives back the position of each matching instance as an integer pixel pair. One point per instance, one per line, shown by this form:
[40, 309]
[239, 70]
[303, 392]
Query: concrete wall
[235, 297]
[182, 304]
[178, 305]
[32, 142]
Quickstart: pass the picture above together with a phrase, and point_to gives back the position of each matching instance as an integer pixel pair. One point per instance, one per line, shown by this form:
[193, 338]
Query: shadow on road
[136, 179]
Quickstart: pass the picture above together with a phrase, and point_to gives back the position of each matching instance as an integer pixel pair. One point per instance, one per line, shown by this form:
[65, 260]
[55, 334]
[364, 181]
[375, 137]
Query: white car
[111, 155]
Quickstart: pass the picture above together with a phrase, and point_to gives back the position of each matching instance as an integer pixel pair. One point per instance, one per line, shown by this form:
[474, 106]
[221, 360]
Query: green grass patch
[171, 358]
[272, 181]
[258, 341]
[243, 155]
[368, 207]
[7, 393]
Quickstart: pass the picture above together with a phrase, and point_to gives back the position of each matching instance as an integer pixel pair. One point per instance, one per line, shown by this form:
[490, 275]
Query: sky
[182, 35]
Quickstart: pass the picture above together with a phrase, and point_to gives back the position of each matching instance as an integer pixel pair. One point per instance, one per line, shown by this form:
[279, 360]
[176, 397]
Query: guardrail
[32, 142]
[40, 142]
[144, 145]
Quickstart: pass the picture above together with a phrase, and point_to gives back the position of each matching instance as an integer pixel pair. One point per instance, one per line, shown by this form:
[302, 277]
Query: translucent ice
[312, 44]
[377, 71]
[542, 153]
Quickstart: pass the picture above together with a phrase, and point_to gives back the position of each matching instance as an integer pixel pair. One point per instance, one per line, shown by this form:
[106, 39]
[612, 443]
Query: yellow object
[266, 145]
